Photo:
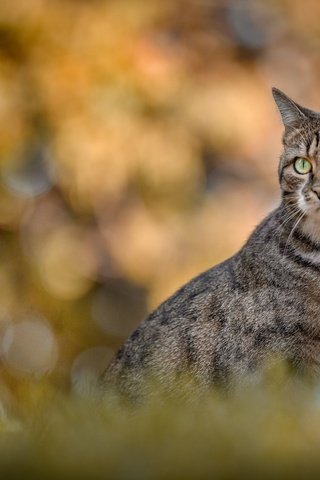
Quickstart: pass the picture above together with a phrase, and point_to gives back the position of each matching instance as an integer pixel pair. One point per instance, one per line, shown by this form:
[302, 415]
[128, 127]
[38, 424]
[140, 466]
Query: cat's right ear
[292, 114]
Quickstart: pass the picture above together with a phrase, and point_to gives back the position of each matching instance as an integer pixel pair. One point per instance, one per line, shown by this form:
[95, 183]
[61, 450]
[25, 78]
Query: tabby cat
[262, 302]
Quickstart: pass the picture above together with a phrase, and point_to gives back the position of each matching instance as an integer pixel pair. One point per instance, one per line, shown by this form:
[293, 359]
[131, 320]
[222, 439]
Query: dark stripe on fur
[298, 235]
[303, 262]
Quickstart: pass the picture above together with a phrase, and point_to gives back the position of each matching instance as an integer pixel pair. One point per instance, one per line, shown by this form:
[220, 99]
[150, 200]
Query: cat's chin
[310, 225]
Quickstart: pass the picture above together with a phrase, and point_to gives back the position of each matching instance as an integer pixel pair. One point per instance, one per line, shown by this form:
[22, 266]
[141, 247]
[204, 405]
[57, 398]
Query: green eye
[302, 166]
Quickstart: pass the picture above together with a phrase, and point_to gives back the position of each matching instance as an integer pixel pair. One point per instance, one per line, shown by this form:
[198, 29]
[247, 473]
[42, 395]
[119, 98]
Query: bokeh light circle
[66, 263]
[29, 347]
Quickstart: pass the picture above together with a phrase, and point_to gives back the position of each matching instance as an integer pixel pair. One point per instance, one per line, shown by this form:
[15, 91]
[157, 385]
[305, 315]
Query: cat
[262, 302]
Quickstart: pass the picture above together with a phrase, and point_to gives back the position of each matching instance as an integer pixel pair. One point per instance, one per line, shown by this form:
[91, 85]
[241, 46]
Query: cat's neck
[285, 232]
[310, 227]
[277, 253]
[282, 243]
[300, 225]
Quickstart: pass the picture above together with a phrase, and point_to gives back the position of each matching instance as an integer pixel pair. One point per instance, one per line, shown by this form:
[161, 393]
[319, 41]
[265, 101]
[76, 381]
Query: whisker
[290, 235]
[293, 212]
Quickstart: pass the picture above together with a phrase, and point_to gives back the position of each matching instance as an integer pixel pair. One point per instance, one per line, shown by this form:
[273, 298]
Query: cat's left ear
[292, 113]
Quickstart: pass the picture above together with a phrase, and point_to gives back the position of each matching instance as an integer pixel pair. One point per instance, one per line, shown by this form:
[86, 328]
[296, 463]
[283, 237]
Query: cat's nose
[316, 190]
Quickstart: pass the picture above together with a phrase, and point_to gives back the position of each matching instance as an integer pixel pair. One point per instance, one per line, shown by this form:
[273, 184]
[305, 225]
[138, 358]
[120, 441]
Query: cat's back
[184, 331]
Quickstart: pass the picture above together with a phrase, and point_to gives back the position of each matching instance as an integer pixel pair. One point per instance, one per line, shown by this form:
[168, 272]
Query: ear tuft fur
[291, 113]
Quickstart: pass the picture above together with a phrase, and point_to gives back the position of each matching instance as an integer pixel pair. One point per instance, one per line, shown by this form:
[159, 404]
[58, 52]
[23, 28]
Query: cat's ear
[291, 112]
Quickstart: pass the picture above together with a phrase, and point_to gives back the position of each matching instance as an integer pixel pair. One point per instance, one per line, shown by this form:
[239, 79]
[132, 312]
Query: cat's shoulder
[195, 294]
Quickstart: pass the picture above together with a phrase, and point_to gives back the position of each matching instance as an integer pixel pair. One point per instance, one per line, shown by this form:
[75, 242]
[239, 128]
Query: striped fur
[262, 302]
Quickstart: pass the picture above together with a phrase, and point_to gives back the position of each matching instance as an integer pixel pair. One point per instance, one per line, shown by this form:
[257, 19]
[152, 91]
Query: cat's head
[299, 168]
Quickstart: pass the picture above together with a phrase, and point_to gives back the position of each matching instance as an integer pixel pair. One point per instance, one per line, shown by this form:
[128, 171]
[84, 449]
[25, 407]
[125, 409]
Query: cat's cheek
[292, 181]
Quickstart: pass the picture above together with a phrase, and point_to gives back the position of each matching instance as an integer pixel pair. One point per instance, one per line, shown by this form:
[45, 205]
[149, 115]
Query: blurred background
[139, 145]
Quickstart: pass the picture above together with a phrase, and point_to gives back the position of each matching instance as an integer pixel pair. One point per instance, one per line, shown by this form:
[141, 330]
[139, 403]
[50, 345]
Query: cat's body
[262, 302]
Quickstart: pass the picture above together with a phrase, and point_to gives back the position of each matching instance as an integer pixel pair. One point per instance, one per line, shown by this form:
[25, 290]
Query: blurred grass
[266, 429]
